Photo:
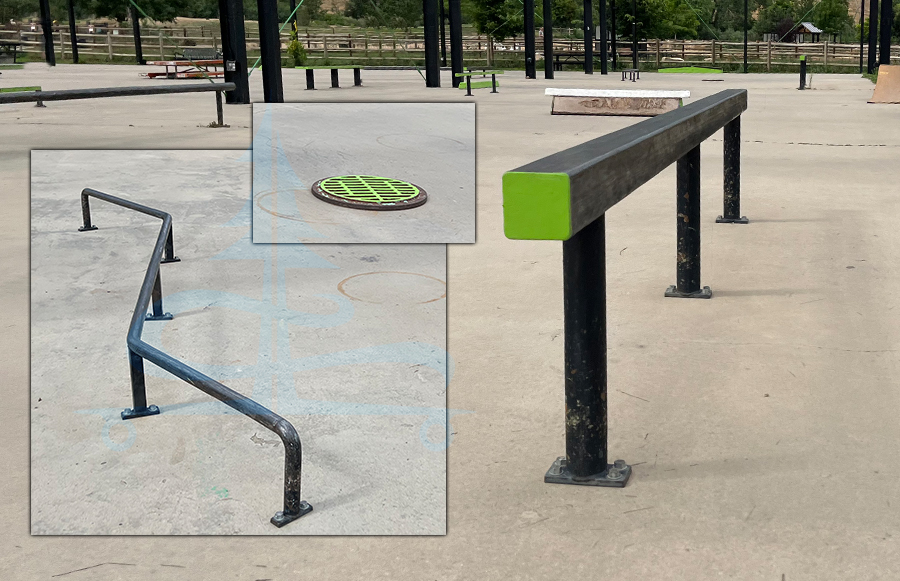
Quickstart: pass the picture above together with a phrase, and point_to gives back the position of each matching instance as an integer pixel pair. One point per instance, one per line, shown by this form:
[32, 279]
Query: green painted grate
[369, 192]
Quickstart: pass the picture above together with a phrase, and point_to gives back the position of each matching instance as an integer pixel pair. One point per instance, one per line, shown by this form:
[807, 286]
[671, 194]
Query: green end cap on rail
[536, 206]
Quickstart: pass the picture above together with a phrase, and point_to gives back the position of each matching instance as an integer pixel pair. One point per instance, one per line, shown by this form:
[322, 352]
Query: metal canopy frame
[151, 290]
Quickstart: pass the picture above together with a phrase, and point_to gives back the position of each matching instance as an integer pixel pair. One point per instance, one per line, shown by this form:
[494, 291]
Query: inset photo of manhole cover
[369, 192]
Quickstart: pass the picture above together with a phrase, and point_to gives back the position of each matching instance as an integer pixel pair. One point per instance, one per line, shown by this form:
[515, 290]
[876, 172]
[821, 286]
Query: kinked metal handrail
[138, 350]
[565, 196]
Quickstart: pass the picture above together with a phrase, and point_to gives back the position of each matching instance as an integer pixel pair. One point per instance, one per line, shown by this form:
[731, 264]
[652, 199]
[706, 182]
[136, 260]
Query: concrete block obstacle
[614, 102]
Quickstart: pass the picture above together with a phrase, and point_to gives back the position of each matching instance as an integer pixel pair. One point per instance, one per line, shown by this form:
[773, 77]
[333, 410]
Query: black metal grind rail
[138, 350]
[565, 197]
[73, 94]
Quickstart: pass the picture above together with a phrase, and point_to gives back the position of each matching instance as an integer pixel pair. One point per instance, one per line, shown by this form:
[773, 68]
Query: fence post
[826, 54]
[584, 304]
[658, 41]
[688, 255]
[732, 139]
[713, 48]
[109, 44]
[162, 55]
[769, 56]
[62, 46]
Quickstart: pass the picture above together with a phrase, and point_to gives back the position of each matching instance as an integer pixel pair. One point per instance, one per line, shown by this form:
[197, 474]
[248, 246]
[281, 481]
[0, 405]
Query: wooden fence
[356, 47]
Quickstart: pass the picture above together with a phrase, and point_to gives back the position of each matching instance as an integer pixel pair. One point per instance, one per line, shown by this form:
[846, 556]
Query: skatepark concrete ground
[761, 423]
[431, 145]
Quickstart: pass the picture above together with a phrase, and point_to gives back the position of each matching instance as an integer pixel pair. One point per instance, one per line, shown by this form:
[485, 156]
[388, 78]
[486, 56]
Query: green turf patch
[478, 85]
[11, 67]
[18, 89]
[702, 70]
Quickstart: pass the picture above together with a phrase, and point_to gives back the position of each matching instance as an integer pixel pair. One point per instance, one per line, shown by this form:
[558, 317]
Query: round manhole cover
[369, 192]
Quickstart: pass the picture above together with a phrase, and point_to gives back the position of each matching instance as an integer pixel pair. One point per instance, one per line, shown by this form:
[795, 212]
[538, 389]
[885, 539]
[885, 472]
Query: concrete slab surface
[345, 342]
[431, 145]
[762, 423]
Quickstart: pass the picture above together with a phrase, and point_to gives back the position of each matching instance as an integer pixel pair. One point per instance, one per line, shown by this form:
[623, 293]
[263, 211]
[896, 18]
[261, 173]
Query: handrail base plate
[741, 220]
[130, 413]
[703, 293]
[83, 229]
[559, 474]
[280, 519]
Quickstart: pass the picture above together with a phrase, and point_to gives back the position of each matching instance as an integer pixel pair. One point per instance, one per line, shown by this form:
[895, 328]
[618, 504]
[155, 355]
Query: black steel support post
[270, 51]
[432, 48]
[873, 36]
[746, 25]
[732, 211]
[634, 38]
[220, 117]
[310, 80]
[862, 30]
[47, 28]
[234, 50]
[138, 390]
[548, 39]
[688, 259]
[802, 72]
[612, 25]
[73, 33]
[588, 37]
[158, 314]
[456, 44]
[604, 40]
[294, 19]
[357, 78]
[529, 40]
[584, 296]
[136, 29]
[443, 35]
[887, 23]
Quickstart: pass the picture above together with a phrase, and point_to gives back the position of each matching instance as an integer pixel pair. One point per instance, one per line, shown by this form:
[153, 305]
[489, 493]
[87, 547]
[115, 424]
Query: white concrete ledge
[616, 93]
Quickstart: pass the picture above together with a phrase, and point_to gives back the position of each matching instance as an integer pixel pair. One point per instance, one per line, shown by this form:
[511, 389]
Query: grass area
[689, 70]
[873, 77]
[11, 67]
[18, 89]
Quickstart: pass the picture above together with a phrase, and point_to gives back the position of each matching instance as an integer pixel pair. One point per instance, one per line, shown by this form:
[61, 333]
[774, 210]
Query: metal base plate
[741, 220]
[704, 293]
[280, 519]
[168, 260]
[615, 476]
[83, 229]
[147, 411]
[163, 317]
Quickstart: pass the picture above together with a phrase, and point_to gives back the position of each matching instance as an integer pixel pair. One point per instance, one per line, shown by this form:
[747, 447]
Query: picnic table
[10, 47]
[311, 81]
[190, 69]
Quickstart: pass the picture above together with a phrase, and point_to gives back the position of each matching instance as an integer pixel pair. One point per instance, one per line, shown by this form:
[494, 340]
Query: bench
[311, 81]
[613, 102]
[10, 47]
[567, 58]
[484, 73]
[72, 94]
[633, 74]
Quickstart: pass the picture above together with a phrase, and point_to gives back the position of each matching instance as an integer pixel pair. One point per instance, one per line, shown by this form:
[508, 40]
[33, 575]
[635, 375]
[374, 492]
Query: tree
[774, 17]
[162, 10]
[833, 16]
[498, 19]
[566, 13]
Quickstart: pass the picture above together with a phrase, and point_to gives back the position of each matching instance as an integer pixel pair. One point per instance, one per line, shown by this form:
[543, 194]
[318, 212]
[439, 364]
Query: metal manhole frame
[417, 200]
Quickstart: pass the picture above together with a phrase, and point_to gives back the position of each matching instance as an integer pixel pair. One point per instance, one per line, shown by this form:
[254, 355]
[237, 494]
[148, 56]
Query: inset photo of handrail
[342, 348]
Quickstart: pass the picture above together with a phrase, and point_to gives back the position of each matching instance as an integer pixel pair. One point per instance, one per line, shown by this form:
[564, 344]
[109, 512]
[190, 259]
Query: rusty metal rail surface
[565, 196]
[138, 350]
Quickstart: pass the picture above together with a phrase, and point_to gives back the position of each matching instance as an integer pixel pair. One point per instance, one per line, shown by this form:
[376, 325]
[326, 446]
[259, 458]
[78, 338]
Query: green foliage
[499, 19]
[658, 19]
[391, 13]
[565, 14]
[295, 48]
[832, 16]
